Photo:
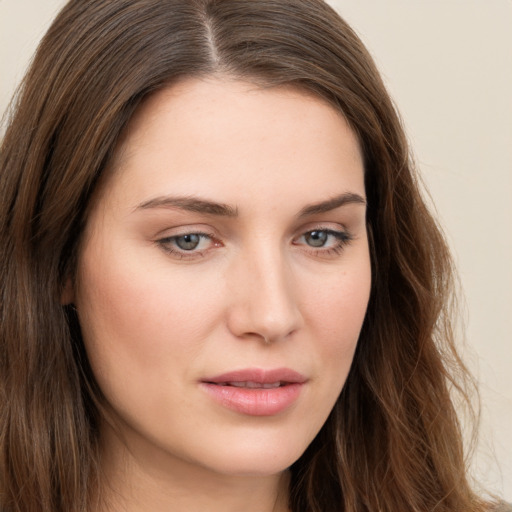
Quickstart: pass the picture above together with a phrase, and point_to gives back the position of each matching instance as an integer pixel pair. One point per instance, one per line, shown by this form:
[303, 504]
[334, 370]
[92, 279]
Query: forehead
[233, 138]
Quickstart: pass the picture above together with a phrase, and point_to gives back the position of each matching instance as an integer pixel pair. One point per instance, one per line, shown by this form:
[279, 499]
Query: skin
[257, 292]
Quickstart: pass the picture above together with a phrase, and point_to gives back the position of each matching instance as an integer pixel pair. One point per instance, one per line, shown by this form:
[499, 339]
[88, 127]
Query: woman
[222, 289]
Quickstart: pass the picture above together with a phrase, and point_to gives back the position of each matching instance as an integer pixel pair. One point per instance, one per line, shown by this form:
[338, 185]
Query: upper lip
[258, 375]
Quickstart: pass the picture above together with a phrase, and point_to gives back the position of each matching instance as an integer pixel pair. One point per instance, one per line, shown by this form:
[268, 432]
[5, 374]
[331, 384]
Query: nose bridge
[265, 302]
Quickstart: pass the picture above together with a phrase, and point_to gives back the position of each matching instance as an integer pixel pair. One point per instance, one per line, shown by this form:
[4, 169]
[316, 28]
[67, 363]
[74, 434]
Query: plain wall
[448, 66]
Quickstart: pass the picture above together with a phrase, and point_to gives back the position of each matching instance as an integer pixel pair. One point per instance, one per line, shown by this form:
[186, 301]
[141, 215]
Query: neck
[133, 483]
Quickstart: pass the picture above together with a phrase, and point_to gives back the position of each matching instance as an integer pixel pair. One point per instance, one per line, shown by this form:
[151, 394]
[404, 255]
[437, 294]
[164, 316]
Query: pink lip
[245, 396]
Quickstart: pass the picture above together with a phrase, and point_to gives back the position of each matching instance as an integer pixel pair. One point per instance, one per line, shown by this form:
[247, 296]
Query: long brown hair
[393, 441]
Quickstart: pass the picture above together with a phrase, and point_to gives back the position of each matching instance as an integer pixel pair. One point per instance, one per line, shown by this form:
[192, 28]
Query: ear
[68, 293]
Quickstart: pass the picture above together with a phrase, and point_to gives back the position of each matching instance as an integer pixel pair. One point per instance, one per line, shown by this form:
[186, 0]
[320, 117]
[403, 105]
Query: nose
[263, 303]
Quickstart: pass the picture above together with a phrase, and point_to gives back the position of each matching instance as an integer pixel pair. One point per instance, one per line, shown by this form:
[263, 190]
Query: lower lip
[254, 402]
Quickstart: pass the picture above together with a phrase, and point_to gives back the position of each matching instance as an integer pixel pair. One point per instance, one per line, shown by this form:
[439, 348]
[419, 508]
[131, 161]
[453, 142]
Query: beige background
[448, 65]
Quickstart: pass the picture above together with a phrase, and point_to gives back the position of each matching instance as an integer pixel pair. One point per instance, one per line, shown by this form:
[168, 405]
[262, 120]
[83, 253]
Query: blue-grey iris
[188, 242]
[316, 238]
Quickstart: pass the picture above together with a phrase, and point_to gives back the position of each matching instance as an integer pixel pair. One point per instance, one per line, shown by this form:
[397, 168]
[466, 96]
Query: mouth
[258, 378]
[256, 392]
[251, 384]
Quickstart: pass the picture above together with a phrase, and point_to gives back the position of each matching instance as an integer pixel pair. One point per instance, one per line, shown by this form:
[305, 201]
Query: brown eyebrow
[191, 204]
[332, 204]
[197, 205]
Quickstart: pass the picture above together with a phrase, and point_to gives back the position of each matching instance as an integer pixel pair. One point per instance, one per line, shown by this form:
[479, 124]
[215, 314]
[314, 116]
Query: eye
[325, 241]
[188, 244]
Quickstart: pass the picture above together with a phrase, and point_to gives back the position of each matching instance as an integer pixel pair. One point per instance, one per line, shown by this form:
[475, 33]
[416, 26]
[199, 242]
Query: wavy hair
[393, 441]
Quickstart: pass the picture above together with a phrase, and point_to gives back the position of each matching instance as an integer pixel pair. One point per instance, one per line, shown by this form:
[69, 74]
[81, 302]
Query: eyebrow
[194, 204]
[332, 204]
[191, 204]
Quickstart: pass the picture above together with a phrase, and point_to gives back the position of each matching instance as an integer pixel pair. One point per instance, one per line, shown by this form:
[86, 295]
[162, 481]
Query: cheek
[138, 317]
[335, 314]
[339, 300]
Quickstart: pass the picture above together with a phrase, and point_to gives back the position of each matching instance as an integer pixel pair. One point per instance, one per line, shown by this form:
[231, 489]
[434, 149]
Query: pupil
[316, 238]
[188, 242]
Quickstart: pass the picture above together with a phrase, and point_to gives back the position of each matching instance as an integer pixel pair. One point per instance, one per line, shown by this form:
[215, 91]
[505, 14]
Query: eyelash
[342, 239]
[167, 245]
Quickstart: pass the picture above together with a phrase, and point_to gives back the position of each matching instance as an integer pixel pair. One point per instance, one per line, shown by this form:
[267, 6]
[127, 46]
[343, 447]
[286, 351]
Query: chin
[256, 458]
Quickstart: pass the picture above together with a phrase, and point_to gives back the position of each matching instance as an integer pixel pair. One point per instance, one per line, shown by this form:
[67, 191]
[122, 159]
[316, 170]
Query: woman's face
[224, 276]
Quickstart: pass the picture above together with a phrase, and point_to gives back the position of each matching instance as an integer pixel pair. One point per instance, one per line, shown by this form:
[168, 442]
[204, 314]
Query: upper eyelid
[176, 231]
[185, 233]
[341, 234]
[330, 231]
[338, 228]
[187, 230]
